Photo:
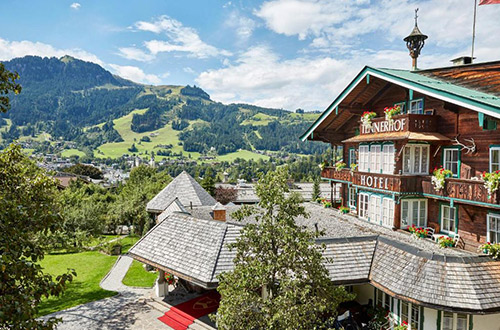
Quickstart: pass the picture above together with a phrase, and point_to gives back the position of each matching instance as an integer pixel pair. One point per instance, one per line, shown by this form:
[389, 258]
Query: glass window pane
[407, 160]
[447, 321]
[404, 311]
[415, 317]
[461, 322]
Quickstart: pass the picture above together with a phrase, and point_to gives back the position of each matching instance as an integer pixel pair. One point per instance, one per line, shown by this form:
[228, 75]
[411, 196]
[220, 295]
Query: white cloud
[136, 54]
[12, 49]
[261, 77]
[189, 70]
[180, 39]
[75, 5]
[135, 74]
[242, 25]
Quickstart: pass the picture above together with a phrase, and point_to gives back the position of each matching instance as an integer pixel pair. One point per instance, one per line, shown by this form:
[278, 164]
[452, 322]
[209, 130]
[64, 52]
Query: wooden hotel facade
[449, 119]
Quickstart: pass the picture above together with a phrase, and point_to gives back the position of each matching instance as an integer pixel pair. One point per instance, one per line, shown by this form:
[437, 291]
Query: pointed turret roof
[186, 189]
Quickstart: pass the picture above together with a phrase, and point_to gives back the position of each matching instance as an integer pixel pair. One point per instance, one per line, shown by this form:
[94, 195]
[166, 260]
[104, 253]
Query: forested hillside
[105, 116]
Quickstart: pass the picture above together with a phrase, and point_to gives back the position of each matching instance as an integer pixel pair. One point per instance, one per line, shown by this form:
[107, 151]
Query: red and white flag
[489, 2]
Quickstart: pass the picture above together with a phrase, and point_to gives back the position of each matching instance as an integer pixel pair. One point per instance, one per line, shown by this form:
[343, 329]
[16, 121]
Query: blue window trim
[488, 239]
[492, 146]
[417, 99]
[457, 175]
[349, 156]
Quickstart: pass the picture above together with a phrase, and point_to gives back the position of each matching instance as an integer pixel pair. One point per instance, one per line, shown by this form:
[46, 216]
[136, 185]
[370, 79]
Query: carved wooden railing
[332, 173]
[472, 190]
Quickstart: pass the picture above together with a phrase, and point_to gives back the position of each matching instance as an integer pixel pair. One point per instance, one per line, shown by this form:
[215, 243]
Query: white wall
[486, 322]
[430, 319]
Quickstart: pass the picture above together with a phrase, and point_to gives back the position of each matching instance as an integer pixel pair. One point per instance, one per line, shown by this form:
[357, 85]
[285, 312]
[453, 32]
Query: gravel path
[126, 310]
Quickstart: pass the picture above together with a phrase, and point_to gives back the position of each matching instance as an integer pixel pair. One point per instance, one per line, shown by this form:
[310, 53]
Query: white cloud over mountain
[136, 74]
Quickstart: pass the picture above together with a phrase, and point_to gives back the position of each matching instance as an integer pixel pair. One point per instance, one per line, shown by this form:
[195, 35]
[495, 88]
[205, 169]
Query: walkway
[127, 310]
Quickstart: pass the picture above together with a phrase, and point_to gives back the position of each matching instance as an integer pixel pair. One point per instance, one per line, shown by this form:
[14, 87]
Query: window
[388, 212]
[493, 235]
[416, 106]
[416, 159]
[352, 198]
[413, 212]
[448, 216]
[489, 124]
[375, 208]
[494, 159]
[451, 160]
[383, 300]
[364, 158]
[411, 315]
[454, 321]
[388, 159]
[352, 156]
[363, 205]
[402, 105]
[375, 158]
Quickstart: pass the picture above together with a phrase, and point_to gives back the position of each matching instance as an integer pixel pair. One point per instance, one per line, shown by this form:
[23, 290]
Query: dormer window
[416, 106]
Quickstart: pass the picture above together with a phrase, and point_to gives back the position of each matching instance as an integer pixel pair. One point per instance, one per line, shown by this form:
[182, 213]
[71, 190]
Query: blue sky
[277, 53]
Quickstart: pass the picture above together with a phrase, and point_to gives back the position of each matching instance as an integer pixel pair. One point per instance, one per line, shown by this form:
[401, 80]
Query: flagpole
[474, 30]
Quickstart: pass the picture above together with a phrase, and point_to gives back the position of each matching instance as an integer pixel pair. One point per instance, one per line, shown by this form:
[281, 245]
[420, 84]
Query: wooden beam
[379, 94]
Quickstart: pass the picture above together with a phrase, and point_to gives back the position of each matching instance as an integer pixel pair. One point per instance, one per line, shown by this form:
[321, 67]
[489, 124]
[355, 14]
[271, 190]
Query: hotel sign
[385, 126]
[377, 181]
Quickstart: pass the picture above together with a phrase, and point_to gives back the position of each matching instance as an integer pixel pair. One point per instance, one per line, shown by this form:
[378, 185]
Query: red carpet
[181, 316]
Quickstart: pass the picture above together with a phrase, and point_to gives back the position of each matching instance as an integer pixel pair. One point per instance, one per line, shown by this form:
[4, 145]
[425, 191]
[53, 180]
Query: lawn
[72, 152]
[128, 242]
[244, 154]
[90, 268]
[259, 119]
[139, 277]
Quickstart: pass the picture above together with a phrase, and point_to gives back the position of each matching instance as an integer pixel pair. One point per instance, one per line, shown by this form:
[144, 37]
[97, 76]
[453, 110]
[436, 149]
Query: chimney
[462, 60]
[415, 42]
[219, 212]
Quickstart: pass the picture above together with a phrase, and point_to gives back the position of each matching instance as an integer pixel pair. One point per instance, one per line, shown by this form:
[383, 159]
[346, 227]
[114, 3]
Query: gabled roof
[186, 189]
[191, 248]
[174, 207]
[423, 82]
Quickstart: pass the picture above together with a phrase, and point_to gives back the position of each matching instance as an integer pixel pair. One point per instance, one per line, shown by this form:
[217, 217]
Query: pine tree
[316, 190]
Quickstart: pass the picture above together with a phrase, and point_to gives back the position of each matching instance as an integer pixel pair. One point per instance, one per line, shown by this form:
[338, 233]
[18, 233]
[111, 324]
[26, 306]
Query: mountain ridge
[73, 100]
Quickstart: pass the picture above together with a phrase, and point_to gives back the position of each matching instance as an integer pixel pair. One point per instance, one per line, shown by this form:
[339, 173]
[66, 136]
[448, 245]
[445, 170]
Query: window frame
[352, 197]
[352, 155]
[410, 102]
[454, 321]
[412, 147]
[364, 158]
[363, 213]
[376, 167]
[488, 227]
[388, 212]
[410, 201]
[409, 314]
[389, 166]
[455, 220]
[494, 148]
[402, 104]
[459, 158]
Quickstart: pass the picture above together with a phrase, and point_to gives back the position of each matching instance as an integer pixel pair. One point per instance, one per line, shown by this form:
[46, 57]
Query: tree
[279, 280]
[225, 195]
[28, 208]
[208, 182]
[316, 191]
[7, 85]
[86, 170]
[129, 209]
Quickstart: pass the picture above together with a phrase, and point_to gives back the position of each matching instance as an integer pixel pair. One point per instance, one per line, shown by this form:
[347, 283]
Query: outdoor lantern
[415, 42]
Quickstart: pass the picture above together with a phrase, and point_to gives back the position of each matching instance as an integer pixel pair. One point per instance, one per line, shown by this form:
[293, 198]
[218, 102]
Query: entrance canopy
[413, 136]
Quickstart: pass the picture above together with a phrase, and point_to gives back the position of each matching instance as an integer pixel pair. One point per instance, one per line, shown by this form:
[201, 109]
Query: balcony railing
[389, 182]
[473, 190]
[466, 190]
[401, 123]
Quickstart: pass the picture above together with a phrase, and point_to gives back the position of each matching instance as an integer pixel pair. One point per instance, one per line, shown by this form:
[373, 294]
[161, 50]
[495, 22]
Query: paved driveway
[127, 310]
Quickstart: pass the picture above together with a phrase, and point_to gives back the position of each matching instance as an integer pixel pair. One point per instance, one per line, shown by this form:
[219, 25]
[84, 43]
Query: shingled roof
[191, 248]
[186, 189]
[174, 207]
[196, 250]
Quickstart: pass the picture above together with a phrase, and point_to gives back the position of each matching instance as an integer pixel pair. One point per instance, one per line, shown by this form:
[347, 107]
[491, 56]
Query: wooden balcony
[472, 190]
[402, 123]
[465, 190]
[388, 182]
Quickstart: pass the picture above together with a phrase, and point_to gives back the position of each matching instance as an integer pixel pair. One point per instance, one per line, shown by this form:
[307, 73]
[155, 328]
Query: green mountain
[103, 115]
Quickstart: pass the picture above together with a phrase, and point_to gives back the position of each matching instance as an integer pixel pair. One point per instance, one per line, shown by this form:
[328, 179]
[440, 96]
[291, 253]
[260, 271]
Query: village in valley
[147, 205]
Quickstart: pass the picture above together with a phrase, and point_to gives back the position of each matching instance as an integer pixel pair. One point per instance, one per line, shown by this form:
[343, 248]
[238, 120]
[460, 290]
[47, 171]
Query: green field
[165, 135]
[139, 277]
[259, 119]
[244, 154]
[90, 268]
[72, 152]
